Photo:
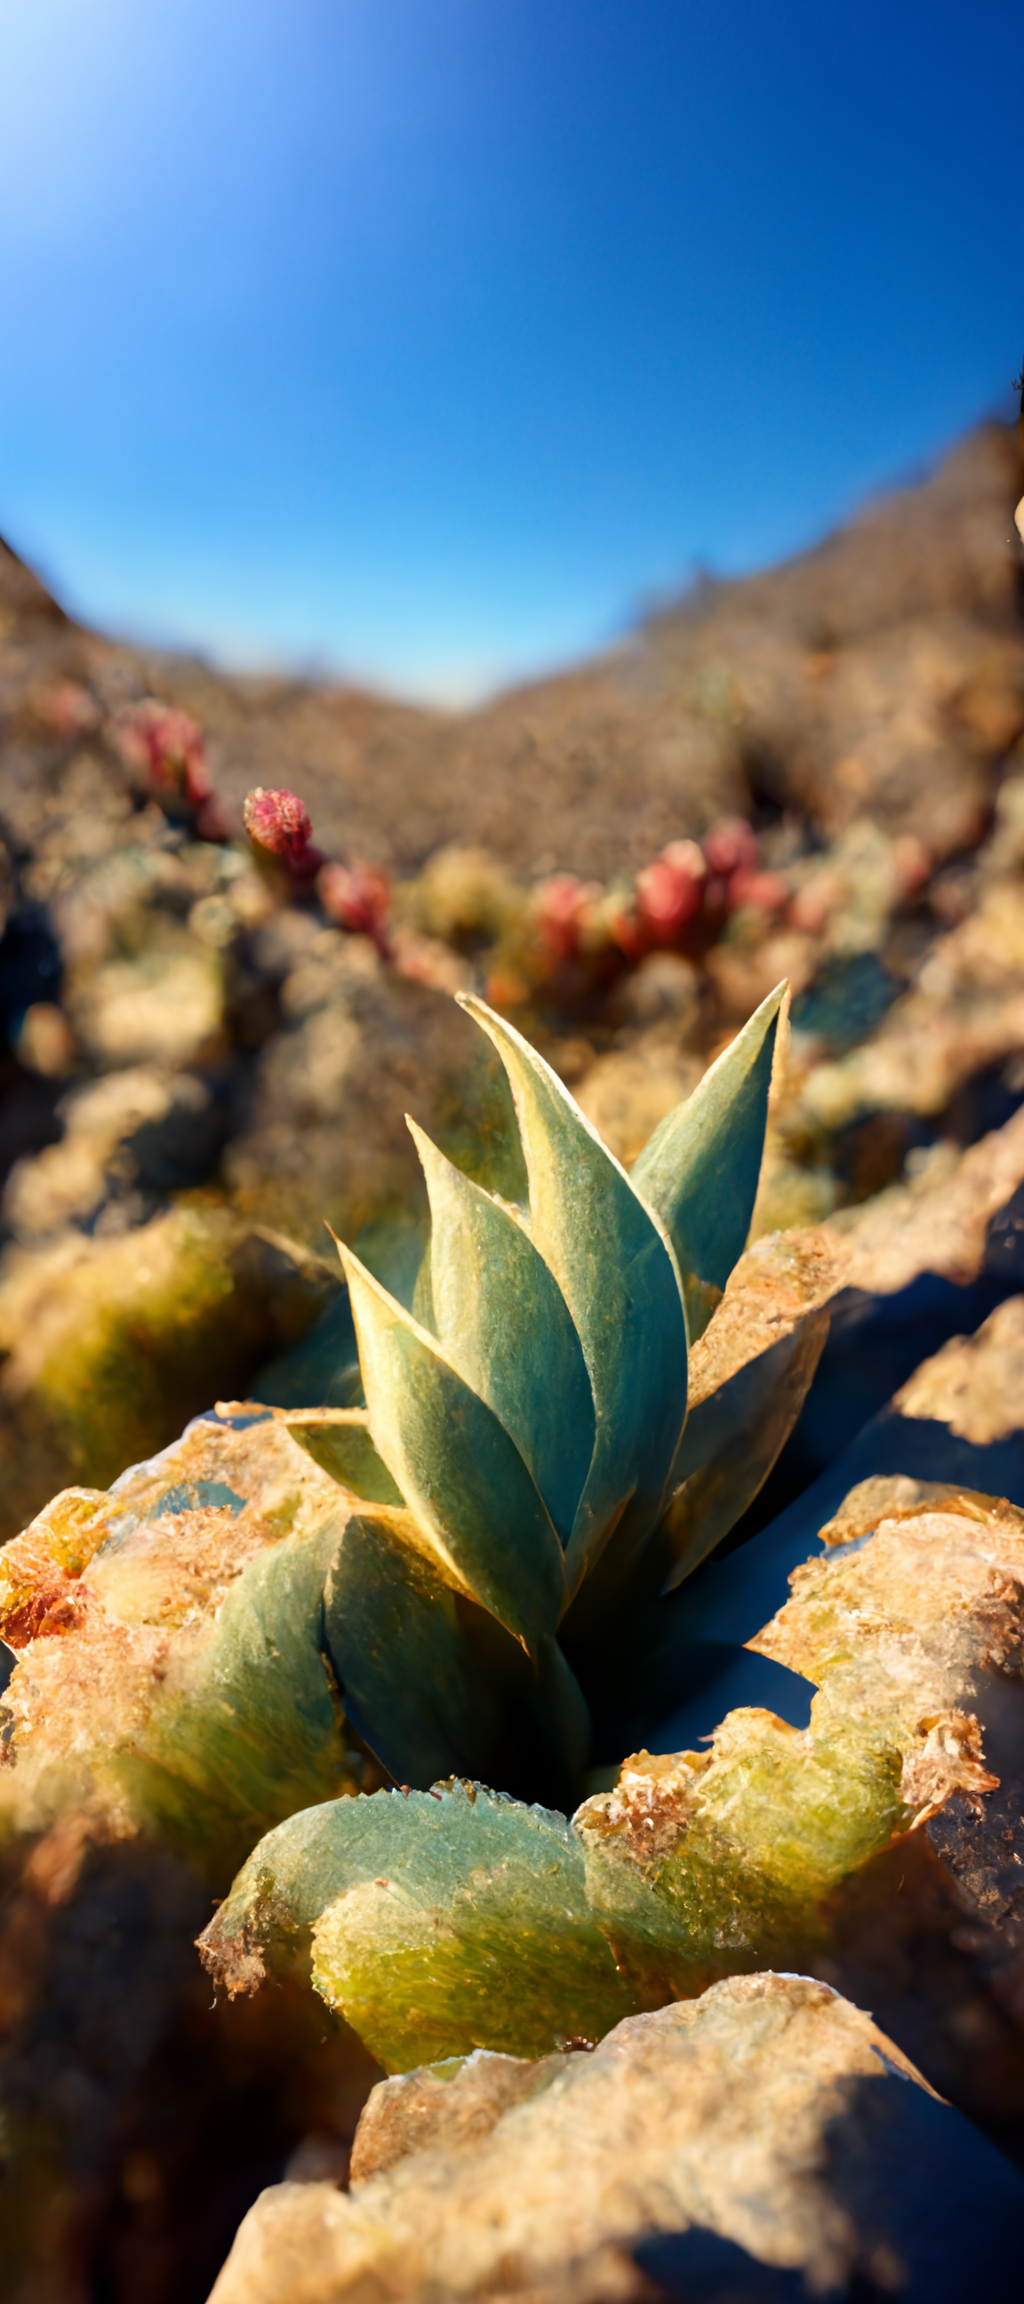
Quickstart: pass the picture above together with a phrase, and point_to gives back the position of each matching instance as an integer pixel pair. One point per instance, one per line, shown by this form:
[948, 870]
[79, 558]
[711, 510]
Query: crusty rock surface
[769, 2112]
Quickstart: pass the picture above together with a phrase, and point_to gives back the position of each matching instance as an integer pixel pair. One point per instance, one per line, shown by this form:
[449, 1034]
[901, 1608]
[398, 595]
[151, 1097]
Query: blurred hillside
[816, 772]
[881, 672]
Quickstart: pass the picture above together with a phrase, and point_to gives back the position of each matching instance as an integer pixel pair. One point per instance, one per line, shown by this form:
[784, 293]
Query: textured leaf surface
[394, 1638]
[460, 1474]
[731, 1441]
[701, 1167]
[696, 1863]
[340, 1441]
[439, 1924]
[616, 1270]
[255, 1729]
[188, 1693]
[504, 1323]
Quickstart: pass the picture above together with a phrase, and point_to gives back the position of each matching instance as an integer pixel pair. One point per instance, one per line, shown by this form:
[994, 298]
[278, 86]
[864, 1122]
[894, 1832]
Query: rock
[134, 2107]
[940, 1221]
[769, 2113]
[170, 1674]
[964, 1015]
[128, 1128]
[975, 1384]
[452, 2105]
[327, 1141]
[110, 1344]
[166, 1005]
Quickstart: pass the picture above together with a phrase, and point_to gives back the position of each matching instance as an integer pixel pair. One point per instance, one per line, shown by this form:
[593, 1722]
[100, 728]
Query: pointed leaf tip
[700, 1169]
[461, 1475]
[614, 1263]
[504, 1323]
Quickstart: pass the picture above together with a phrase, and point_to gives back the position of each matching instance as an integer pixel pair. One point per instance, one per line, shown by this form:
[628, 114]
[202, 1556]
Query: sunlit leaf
[406, 1673]
[339, 1440]
[615, 1266]
[440, 1923]
[504, 1323]
[731, 1441]
[700, 1169]
[460, 1474]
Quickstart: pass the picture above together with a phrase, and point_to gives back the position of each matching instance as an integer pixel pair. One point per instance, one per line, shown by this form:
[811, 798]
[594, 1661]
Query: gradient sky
[426, 340]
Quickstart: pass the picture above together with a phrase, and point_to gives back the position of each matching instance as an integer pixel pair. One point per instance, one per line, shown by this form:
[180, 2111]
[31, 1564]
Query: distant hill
[880, 674]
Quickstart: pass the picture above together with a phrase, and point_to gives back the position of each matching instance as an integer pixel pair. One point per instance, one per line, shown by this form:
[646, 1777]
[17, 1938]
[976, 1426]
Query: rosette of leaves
[529, 1481]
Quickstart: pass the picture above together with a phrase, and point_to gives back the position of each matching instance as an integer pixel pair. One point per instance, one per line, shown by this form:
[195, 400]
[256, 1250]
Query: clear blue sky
[426, 339]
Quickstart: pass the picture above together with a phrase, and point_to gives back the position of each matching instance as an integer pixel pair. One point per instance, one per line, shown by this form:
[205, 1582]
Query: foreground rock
[768, 2124]
[109, 1344]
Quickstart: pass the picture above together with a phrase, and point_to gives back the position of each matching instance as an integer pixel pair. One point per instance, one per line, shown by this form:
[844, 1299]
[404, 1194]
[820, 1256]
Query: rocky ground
[201, 1051]
[210, 1048]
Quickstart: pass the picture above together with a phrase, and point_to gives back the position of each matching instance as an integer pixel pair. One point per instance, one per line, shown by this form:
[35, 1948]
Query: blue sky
[426, 340]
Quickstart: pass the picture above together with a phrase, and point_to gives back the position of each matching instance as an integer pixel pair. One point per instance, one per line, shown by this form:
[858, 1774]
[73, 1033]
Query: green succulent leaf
[393, 1636]
[441, 1922]
[614, 1264]
[700, 1169]
[462, 1477]
[340, 1441]
[731, 1441]
[254, 1730]
[502, 1319]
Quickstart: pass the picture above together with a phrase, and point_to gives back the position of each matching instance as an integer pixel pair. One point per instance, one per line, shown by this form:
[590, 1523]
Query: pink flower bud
[358, 898]
[913, 865]
[669, 891]
[277, 822]
[730, 847]
[759, 891]
[166, 746]
[561, 905]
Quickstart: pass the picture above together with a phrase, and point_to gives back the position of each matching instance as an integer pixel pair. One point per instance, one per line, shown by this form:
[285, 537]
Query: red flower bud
[669, 891]
[166, 745]
[730, 847]
[762, 891]
[277, 822]
[561, 907]
[358, 898]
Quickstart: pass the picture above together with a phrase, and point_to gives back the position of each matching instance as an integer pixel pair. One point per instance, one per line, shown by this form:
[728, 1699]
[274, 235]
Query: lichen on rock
[767, 2124]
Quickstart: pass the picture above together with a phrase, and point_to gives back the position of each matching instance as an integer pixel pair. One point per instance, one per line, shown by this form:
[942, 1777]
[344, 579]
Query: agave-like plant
[530, 1482]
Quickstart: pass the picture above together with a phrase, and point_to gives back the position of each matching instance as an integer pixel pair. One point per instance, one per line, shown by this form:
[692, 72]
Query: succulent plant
[524, 1456]
[446, 1921]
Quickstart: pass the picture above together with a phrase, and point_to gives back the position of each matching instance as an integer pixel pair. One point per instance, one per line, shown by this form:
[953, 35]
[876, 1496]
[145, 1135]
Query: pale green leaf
[731, 1441]
[614, 1264]
[405, 1670]
[504, 1323]
[700, 1169]
[434, 1684]
[460, 1474]
[340, 1441]
[440, 1924]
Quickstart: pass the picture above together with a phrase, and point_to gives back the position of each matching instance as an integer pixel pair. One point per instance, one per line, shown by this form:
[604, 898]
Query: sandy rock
[964, 1014]
[69, 1182]
[938, 1221]
[110, 1344]
[453, 2105]
[166, 1005]
[360, 1048]
[170, 1675]
[976, 1383]
[769, 2113]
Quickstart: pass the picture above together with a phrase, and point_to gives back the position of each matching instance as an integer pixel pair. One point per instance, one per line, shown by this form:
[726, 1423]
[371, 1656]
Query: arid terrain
[211, 1042]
